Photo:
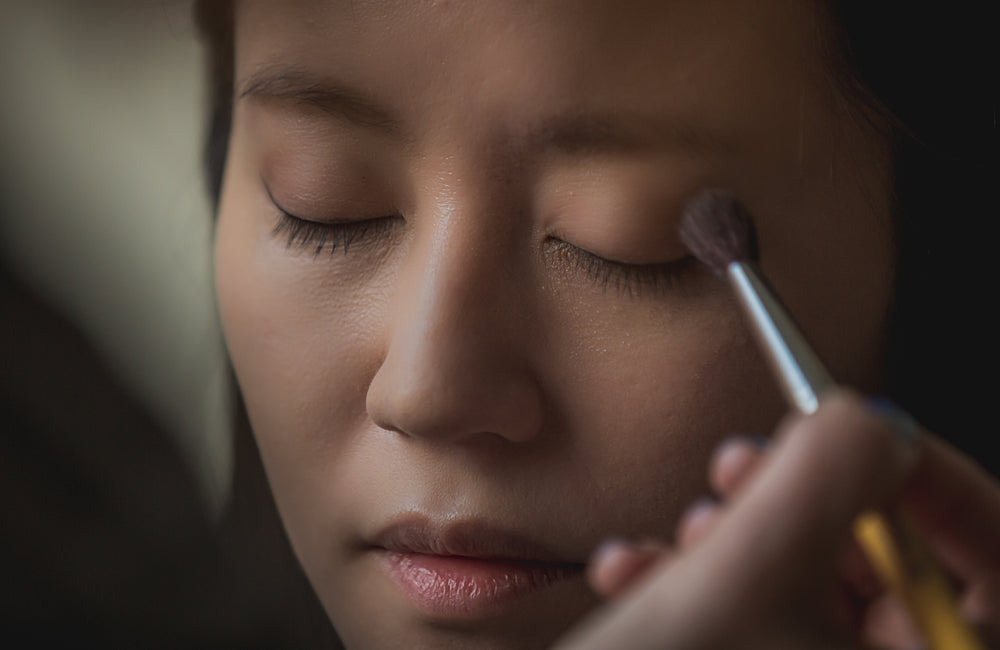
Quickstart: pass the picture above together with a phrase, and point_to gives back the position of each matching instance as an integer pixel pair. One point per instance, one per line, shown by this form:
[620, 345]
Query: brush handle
[909, 570]
[801, 374]
[888, 540]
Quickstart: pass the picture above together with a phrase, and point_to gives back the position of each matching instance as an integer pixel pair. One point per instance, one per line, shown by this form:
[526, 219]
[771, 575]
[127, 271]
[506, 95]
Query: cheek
[648, 394]
[300, 344]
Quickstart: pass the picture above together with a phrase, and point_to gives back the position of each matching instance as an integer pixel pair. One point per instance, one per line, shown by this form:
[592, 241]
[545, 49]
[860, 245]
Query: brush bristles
[718, 230]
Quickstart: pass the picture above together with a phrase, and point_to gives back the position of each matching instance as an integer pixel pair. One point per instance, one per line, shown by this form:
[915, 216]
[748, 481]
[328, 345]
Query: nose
[457, 365]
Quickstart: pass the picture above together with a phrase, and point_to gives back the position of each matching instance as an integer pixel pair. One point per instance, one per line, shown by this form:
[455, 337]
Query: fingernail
[754, 440]
[738, 441]
[700, 507]
[907, 429]
[609, 548]
[758, 441]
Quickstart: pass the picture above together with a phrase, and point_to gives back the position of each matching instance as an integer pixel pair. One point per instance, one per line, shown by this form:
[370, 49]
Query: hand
[774, 566]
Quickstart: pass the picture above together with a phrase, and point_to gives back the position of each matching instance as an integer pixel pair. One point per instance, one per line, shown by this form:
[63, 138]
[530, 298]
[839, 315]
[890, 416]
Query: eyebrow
[577, 134]
[581, 134]
[334, 99]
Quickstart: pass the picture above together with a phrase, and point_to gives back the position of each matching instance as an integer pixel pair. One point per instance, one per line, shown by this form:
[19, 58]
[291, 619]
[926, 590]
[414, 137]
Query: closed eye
[628, 279]
[316, 235]
[312, 235]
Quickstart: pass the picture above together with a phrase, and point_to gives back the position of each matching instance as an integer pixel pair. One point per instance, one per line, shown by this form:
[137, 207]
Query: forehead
[728, 62]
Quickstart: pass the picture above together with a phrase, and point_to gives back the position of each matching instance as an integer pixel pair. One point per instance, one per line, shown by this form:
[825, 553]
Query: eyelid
[307, 233]
[630, 279]
[320, 222]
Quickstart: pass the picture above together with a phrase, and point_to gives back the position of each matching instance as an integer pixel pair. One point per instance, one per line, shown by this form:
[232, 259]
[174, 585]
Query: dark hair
[214, 20]
[930, 75]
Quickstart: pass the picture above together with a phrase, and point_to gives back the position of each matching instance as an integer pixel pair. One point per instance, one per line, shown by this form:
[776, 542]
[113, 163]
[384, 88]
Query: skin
[464, 360]
[804, 584]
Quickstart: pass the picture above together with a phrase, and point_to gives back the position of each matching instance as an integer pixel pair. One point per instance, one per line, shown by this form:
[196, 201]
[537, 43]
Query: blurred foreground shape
[103, 208]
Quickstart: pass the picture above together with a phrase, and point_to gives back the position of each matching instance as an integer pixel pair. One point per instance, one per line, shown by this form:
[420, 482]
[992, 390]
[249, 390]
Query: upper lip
[472, 538]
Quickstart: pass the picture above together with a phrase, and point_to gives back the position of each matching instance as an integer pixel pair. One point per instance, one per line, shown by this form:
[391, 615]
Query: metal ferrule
[802, 375]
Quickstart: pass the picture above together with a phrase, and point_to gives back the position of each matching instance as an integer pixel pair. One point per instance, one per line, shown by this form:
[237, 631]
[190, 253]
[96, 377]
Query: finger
[825, 470]
[888, 624]
[618, 564]
[857, 574]
[696, 522]
[733, 463]
[776, 539]
[859, 604]
[982, 606]
[956, 506]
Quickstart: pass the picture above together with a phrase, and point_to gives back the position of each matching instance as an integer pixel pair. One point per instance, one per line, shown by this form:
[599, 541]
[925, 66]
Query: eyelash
[627, 279]
[305, 233]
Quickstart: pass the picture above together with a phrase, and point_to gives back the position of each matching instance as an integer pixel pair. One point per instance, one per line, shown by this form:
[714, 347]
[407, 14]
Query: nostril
[455, 365]
[488, 401]
[379, 406]
[400, 402]
[419, 413]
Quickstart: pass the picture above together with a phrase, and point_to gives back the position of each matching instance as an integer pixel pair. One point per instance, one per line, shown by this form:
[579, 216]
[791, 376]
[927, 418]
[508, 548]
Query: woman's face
[491, 351]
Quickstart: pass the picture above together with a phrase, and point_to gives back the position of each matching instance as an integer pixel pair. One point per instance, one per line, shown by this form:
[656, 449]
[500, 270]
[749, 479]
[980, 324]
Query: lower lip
[464, 587]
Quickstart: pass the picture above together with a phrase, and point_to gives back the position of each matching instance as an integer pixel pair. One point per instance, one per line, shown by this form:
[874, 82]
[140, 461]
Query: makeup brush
[719, 231]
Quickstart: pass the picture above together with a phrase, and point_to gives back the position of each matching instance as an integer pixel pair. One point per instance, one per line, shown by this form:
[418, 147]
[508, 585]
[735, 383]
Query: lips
[466, 569]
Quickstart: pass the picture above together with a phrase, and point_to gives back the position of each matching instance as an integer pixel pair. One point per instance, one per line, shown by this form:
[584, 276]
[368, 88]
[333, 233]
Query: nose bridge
[456, 277]
[454, 365]
[457, 273]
